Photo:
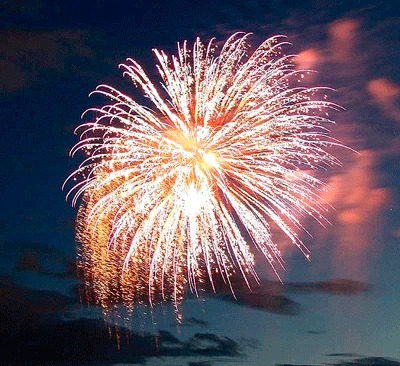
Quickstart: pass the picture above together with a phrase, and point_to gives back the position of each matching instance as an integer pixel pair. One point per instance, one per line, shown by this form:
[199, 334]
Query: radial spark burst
[183, 192]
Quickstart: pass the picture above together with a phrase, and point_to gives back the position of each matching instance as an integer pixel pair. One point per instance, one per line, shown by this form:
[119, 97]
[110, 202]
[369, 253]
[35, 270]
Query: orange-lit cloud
[387, 95]
[343, 39]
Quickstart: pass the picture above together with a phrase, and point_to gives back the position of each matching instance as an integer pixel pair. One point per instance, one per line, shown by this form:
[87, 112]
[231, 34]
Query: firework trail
[182, 194]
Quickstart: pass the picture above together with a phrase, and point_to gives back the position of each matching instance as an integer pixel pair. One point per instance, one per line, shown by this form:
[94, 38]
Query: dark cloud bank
[32, 332]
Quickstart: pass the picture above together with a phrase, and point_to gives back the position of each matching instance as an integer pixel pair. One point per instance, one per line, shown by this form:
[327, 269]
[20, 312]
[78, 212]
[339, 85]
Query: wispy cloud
[386, 94]
[359, 199]
[343, 39]
[336, 287]
[362, 361]
[281, 305]
[308, 59]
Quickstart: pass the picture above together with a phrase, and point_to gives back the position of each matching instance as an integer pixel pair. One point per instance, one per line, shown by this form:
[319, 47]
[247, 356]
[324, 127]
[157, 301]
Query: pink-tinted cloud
[387, 95]
[308, 59]
[359, 202]
[343, 39]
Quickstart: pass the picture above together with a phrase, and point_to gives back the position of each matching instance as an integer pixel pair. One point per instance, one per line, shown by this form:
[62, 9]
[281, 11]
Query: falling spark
[181, 195]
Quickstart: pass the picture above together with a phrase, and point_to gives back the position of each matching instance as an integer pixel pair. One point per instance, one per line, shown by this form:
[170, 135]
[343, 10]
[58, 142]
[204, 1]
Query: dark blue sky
[53, 53]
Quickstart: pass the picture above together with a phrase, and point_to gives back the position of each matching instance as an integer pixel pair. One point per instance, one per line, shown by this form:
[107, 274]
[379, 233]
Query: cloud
[12, 77]
[387, 95]
[336, 286]
[264, 301]
[264, 295]
[359, 200]
[269, 295]
[371, 361]
[308, 59]
[88, 341]
[24, 299]
[22, 308]
[316, 332]
[343, 39]
[192, 321]
[31, 321]
[366, 361]
[29, 262]
[200, 363]
[42, 259]
[25, 56]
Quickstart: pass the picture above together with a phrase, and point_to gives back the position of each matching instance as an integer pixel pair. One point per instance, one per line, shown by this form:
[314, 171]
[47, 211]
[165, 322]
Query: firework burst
[185, 192]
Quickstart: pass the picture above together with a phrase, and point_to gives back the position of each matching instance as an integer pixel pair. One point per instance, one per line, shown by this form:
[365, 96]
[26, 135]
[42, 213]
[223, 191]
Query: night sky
[342, 308]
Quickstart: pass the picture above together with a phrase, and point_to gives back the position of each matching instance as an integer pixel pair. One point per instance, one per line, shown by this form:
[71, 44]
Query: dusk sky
[340, 308]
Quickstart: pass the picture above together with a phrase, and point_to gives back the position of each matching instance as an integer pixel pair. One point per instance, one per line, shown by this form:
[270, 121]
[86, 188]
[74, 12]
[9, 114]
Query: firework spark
[183, 193]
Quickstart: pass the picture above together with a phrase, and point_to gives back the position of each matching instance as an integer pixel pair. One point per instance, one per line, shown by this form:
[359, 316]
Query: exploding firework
[181, 193]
